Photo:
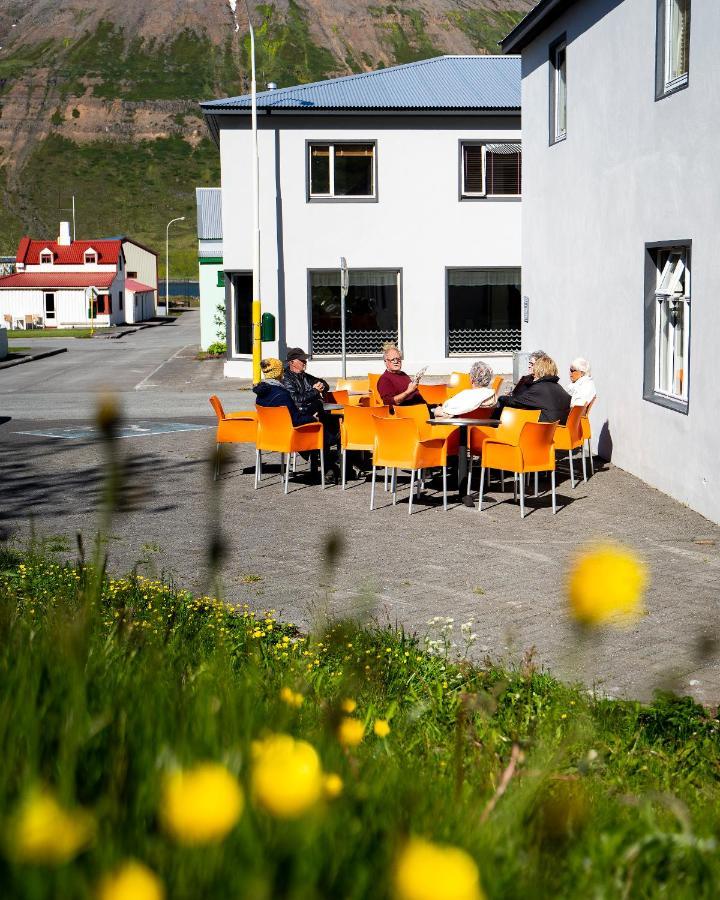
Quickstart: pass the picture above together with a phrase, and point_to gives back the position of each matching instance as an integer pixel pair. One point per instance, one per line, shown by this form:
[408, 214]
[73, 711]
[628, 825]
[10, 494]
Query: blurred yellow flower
[44, 832]
[132, 881]
[332, 785]
[381, 728]
[428, 871]
[606, 585]
[289, 696]
[348, 705]
[287, 777]
[350, 732]
[202, 804]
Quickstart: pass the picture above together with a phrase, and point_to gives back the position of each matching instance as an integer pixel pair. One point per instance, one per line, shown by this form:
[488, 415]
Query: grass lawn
[23, 334]
[112, 691]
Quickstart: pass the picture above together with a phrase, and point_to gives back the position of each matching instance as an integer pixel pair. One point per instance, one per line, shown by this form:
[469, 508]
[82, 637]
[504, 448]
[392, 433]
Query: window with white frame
[558, 91]
[46, 258]
[90, 257]
[673, 45]
[491, 169]
[672, 323]
[372, 311]
[341, 171]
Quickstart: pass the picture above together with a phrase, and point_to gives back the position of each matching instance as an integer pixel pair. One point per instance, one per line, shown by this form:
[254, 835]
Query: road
[153, 370]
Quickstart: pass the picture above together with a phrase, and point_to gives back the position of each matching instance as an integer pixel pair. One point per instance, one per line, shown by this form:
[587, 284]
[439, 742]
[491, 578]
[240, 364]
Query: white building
[211, 280]
[413, 174]
[621, 192]
[66, 283]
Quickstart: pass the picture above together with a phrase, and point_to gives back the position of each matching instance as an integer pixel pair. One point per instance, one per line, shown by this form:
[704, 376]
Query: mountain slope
[101, 101]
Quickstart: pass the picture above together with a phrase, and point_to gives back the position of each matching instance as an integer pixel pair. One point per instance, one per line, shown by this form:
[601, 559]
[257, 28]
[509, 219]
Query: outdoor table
[358, 393]
[332, 407]
[462, 424]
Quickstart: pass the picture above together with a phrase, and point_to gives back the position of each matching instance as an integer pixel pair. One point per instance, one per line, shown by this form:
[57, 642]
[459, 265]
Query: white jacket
[581, 391]
[468, 400]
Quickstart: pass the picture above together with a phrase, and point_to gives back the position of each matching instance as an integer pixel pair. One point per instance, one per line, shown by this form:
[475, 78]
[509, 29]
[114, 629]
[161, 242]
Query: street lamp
[256, 345]
[167, 262]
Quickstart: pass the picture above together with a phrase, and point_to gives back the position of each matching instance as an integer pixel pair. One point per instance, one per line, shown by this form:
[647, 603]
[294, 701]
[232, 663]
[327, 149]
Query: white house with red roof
[68, 283]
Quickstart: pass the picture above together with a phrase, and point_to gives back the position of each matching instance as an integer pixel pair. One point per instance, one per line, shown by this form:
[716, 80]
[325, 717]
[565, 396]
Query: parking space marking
[140, 429]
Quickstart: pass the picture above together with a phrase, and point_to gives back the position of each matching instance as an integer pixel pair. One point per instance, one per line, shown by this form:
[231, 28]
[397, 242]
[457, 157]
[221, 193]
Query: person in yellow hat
[272, 392]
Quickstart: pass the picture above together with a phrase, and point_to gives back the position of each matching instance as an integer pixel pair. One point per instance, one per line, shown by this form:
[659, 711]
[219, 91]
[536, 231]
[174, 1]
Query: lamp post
[256, 311]
[167, 262]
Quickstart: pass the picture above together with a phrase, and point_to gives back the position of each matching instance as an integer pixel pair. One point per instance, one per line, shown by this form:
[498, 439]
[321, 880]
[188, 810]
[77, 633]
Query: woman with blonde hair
[545, 394]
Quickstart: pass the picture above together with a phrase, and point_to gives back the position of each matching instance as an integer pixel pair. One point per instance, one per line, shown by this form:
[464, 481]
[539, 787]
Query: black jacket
[304, 395]
[545, 394]
[273, 393]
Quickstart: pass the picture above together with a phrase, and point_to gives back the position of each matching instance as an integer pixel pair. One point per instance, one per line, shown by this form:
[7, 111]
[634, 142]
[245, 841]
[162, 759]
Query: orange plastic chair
[419, 414]
[357, 431]
[534, 452]
[496, 383]
[570, 437]
[398, 446]
[459, 381]
[355, 384]
[235, 428]
[587, 433]
[433, 394]
[375, 398]
[507, 432]
[337, 396]
[275, 434]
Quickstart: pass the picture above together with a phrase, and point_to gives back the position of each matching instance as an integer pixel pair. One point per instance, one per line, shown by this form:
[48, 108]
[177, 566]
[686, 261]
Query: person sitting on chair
[395, 387]
[545, 394]
[272, 392]
[305, 389]
[526, 380]
[480, 394]
[581, 387]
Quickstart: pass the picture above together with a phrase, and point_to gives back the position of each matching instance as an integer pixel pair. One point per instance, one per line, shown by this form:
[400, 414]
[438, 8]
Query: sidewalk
[503, 573]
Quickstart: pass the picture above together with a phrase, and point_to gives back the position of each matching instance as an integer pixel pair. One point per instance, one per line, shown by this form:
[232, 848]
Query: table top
[331, 407]
[493, 423]
[358, 393]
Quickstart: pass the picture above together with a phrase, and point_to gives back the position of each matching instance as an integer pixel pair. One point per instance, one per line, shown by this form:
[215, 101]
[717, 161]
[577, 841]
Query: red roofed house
[66, 283]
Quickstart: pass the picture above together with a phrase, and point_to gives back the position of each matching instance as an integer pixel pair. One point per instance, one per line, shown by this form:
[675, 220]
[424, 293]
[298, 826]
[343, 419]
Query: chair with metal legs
[357, 431]
[587, 434]
[275, 434]
[232, 428]
[569, 437]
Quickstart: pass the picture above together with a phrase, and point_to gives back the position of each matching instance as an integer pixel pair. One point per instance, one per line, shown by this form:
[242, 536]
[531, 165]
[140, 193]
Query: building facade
[211, 281]
[413, 175]
[620, 104]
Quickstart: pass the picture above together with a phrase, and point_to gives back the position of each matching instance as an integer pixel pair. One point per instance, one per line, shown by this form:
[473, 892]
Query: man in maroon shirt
[394, 386]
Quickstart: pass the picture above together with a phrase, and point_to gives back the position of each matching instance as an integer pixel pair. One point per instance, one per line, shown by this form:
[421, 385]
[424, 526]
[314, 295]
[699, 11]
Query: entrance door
[50, 310]
[242, 311]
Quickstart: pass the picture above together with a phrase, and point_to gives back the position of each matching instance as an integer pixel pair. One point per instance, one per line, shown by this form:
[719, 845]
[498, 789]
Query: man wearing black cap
[307, 391]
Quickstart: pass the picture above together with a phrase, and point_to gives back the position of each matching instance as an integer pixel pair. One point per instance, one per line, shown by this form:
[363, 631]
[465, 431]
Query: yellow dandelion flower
[606, 585]
[348, 705]
[286, 776]
[201, 805]
[381, 728]
[332, 785]
[132, 881]
[44, 832]
[427, 871]
[287, 695]
[350, 732]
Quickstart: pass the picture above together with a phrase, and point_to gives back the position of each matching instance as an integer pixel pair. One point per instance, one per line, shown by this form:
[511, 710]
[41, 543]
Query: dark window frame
[339, 198]
[650, 326]
[474, 353]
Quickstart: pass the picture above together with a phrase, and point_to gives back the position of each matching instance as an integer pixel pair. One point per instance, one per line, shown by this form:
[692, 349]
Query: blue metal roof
[438, 84]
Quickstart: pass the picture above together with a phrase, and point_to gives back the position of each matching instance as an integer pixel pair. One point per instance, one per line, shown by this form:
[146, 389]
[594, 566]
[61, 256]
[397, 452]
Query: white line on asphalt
[139, 385]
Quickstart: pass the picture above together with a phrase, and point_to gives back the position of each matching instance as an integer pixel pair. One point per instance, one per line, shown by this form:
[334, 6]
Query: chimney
[64, 239]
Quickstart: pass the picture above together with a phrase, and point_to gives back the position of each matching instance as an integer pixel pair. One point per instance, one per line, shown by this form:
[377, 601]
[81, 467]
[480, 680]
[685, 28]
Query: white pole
[256, 345]
[344, 284]
[167, 262]
[73, 216]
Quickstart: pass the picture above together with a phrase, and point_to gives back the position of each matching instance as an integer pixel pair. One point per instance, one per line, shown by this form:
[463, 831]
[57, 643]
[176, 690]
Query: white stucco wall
[142, 261]
[211, 296]
[418, 225]
[632, 171]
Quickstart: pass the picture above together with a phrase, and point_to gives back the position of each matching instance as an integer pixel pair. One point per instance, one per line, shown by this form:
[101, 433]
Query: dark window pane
[371, 312]
[353, 170]
[319, 170]
[483, 311]
[242, 295]
[503, 173]
[472, 162]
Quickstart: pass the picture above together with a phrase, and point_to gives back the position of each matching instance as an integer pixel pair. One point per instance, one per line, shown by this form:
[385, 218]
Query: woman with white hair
[480, 394]
[581, 387]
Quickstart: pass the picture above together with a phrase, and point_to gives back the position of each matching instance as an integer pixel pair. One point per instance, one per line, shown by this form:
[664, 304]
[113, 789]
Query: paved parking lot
[503, 573]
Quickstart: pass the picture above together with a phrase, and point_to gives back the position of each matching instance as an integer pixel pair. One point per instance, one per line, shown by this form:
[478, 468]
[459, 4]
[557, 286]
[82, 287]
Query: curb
[8, 364]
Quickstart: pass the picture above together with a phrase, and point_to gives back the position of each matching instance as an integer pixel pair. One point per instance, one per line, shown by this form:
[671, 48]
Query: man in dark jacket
[272, 392]
[305, 389]
[545, 393]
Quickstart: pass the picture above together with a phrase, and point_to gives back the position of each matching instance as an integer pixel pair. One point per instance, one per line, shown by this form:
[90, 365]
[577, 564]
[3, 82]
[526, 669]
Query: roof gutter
[535, 21]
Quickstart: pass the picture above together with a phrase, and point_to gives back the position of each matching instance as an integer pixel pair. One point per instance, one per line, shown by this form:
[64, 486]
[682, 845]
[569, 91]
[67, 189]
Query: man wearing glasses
[395, 387]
